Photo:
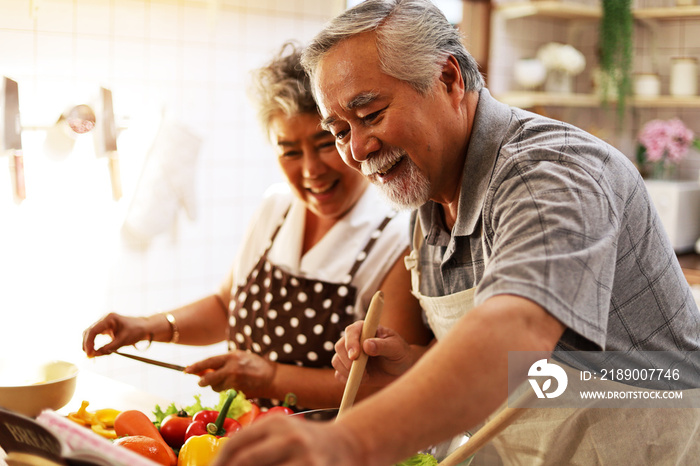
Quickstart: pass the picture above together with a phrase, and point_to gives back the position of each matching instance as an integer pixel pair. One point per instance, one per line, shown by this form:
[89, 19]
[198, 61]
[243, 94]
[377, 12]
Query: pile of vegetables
[191, 435]
[188, 436]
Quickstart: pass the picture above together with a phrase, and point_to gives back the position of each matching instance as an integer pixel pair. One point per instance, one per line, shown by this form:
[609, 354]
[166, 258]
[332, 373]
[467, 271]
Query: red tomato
[274, 410]
[173, 429]
[280, 409]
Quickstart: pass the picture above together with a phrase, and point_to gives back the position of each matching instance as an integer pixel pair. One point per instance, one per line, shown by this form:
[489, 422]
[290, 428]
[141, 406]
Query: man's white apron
[571, 436]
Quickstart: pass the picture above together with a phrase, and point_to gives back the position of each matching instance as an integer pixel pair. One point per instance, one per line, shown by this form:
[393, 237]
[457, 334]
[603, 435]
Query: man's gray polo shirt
[568, 224]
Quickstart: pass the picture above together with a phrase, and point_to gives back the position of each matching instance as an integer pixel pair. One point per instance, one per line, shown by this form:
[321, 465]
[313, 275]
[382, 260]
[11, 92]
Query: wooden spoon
[369, 329]
[492, 428]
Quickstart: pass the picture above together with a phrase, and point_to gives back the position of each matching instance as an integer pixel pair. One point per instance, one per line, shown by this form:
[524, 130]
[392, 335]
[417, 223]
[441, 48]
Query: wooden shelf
[668, 13]
[665, 101]
[568, 10]
[525, 99]
[548, 8]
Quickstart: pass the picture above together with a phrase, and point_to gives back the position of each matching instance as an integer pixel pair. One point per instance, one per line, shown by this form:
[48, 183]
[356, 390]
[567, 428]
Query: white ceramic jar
[684, 76]
[647, 85]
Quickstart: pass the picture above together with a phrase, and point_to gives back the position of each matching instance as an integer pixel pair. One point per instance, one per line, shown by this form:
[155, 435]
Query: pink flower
[669, 139]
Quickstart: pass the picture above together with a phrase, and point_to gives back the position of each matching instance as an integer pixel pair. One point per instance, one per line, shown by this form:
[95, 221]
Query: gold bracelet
[173, 326]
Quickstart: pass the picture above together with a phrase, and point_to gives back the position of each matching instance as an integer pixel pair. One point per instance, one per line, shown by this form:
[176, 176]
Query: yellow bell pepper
[199, 450]
[106, 432]
[83, 416]
[107, 416]
[101, 421]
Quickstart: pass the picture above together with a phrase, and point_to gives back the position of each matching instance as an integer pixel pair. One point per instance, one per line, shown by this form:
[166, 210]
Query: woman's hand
[237, 369]
[390, 355]
[123, 330]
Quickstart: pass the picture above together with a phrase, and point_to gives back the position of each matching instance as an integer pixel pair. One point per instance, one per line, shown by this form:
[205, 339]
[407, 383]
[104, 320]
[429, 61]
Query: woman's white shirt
[334, 255]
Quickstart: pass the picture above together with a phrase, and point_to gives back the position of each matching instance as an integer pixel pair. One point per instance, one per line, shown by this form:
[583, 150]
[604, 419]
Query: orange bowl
[30, 387]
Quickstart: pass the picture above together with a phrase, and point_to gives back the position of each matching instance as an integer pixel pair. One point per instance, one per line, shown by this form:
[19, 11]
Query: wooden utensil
[492, 428]
[369, 329]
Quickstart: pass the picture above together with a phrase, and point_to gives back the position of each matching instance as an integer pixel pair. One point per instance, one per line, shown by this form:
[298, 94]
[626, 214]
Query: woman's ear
[451, 77]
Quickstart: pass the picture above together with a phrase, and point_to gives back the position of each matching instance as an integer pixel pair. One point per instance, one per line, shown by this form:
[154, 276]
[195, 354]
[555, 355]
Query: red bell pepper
[214, 422]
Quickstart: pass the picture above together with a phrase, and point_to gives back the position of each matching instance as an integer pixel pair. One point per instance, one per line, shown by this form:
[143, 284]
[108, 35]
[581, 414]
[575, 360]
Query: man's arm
[457, 384]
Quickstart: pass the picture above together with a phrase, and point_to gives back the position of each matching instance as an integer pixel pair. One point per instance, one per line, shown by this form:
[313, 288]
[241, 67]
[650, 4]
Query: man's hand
[291, 441]
[390, 355]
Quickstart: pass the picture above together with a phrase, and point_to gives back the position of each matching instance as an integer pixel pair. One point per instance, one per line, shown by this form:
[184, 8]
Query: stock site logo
[542, 370]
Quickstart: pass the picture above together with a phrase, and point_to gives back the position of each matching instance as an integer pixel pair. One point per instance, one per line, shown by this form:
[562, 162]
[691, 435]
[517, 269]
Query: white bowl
[30, 387]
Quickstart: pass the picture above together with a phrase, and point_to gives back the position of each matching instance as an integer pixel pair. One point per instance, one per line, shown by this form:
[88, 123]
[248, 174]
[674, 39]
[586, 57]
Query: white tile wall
[63, 262]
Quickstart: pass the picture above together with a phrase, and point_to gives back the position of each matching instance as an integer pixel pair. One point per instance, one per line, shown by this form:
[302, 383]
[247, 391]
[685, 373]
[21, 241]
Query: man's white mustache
[381, 162]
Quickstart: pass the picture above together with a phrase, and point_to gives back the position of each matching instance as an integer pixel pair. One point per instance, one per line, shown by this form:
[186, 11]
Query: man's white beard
[407, 192]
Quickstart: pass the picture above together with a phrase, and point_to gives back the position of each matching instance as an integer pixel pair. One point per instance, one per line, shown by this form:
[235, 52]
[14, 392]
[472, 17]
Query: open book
[51, 440]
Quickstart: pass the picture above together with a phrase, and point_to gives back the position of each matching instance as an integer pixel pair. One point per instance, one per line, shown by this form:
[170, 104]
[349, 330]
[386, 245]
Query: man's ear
[451, 76]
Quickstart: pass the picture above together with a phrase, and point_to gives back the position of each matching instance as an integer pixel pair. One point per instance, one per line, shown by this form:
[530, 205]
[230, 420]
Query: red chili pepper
[214, 422]
[247, 418]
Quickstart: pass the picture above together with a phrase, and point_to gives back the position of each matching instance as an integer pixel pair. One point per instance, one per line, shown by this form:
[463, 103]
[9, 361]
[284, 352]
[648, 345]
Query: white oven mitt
[167, 183]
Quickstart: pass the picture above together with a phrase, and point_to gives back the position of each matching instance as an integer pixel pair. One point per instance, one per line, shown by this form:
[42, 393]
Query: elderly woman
[314, 254]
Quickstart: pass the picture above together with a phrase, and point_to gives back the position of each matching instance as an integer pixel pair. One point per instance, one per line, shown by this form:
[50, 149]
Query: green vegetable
[421, 459]
[239, 406]
[159, 414]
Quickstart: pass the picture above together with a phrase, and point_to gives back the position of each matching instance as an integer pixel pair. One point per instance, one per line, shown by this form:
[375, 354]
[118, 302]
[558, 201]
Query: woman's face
[314, 170]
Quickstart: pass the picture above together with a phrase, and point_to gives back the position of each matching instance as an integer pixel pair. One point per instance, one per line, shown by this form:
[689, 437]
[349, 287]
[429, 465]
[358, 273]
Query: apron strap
[412, 260]
[274, 234]
[368, 247]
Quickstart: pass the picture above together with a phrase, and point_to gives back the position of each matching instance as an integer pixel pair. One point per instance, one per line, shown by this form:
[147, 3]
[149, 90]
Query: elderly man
[530, 236]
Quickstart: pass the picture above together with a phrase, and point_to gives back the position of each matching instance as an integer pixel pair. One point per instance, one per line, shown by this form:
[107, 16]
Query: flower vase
[559, 82]
[663, 170]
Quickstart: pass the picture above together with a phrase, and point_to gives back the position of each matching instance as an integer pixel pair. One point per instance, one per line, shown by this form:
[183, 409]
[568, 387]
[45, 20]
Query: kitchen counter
[104, 392]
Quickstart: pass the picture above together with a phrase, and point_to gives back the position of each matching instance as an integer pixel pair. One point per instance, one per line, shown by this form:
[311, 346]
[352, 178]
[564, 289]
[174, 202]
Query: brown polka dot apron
[291, 319]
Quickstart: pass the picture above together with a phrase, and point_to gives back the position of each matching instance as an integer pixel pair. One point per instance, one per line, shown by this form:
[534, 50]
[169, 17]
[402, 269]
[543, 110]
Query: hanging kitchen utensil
[107, 140]
[369, 329]
[80, 119]
[12, 138]
[61, 137]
